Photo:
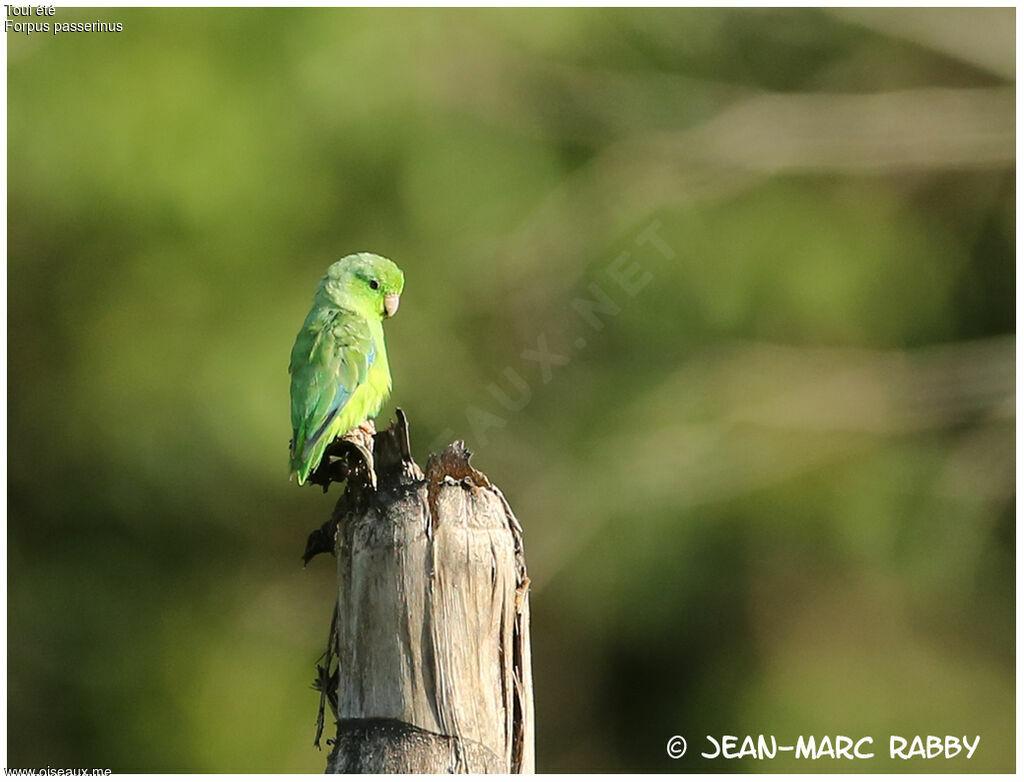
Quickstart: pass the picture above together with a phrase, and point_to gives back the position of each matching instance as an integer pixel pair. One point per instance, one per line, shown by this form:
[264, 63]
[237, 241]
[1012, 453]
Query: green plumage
[339, 366]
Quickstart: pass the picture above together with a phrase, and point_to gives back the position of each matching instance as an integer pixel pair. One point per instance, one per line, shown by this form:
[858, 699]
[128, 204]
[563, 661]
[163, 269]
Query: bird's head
[367, 283]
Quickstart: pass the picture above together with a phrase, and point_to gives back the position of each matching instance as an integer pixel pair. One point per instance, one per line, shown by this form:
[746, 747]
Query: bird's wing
[331, 358]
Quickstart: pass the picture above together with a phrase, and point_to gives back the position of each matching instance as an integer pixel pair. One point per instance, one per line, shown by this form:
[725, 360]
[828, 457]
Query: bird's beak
[390, 304]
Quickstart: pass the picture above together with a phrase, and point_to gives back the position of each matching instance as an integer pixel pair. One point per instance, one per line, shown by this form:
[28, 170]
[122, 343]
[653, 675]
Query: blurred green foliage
[773, 494]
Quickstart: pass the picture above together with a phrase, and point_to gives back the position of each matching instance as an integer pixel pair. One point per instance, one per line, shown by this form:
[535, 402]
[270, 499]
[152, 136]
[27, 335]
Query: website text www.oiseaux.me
[49, 771]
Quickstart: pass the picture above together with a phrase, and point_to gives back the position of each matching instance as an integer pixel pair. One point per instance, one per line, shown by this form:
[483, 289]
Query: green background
[773, 493]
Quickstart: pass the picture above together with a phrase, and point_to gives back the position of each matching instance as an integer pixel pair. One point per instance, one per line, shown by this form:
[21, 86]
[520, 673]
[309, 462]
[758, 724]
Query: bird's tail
[296, 469]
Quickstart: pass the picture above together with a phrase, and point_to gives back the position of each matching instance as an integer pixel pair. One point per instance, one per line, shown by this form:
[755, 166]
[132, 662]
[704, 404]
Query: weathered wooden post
[432, 632]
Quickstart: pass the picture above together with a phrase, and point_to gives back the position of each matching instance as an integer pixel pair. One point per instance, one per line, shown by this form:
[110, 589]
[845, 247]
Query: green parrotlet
[339, 366]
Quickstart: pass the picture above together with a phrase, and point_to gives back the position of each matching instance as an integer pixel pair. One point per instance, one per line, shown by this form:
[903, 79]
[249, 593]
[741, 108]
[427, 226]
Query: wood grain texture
[432, 639]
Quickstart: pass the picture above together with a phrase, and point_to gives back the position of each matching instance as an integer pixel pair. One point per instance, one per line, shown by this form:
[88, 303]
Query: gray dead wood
[432, 628]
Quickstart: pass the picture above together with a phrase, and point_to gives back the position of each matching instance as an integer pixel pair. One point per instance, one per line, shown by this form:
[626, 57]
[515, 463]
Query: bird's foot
[361, 437]
[348, 455]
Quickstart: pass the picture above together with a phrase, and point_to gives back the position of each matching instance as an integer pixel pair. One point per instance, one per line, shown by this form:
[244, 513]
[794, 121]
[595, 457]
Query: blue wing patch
[340, 399]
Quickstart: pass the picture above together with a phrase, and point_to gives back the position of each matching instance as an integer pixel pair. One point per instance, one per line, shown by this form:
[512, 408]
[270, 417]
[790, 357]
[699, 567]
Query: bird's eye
[374, 284]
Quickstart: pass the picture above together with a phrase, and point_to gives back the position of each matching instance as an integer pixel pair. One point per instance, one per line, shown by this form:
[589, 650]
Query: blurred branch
[762, 135]
[851, 396]
[549, 98]
[777, 412]
[875, 392]
[982, 37]
[889, 131]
